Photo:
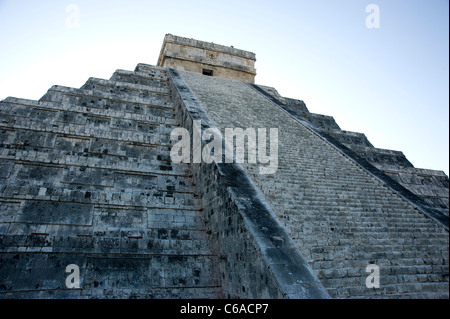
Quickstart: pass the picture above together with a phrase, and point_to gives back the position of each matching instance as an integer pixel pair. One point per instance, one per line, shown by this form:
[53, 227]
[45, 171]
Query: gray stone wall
[86, 179]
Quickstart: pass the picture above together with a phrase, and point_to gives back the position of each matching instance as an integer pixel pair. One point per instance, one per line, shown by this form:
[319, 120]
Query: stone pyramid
[93, 206]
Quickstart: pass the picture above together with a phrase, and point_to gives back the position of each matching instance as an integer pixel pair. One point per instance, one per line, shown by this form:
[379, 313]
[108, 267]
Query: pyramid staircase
[341, 217]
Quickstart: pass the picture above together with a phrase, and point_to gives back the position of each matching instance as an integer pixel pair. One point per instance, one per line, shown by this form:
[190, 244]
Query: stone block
[44, 212]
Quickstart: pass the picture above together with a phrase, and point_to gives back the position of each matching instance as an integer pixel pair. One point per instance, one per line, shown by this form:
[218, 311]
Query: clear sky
[390, 83]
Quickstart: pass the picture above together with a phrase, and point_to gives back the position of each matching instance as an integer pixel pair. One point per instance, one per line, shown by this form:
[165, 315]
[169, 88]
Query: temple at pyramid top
[207, 58]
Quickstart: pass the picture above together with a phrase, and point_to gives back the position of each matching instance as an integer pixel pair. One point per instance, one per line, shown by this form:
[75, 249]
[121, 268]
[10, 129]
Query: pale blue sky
[390, 83]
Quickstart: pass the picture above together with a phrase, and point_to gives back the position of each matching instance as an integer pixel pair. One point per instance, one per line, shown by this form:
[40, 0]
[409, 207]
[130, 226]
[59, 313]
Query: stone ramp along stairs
[86, 180]
[341, 217]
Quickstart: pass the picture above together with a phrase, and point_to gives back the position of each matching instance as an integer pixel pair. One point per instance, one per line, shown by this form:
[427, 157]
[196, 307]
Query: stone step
[109, 274]
[118, 197]
[26, 216]
[385, 279]
[335, 218]
[343, 199]
[104, 128]
[394, 291]
[362, 240]
[332, 207]
[366, 219]
[359, 238]
[376, 251]
[350, 138]
[345, 212]
[107, 140]
[327, 235]
[413, 175]
[337, 254]
[112, 162]
[381, 156]
[149, 163]
[118, 90]
[79, 143]
[119, 293]
[103, 103]
[307, 181]
[150, 242]
[418, 295]
[356, 267]
[152, 71]
[306, 236]
[72, 114]
[357, 229]
[140, 78]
